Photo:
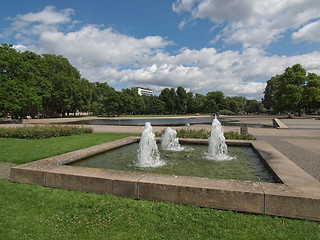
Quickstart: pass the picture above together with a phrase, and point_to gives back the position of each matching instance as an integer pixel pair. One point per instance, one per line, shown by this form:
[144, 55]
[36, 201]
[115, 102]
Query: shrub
[226, 112]
[204, 134]
[237, 136]
[41, 132]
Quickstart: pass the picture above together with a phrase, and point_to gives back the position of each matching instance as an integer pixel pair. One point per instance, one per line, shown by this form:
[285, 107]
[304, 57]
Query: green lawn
[35, 212]
[20, 151]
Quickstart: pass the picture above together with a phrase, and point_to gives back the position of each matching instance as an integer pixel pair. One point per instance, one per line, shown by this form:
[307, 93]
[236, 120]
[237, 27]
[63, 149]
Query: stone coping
[278, 124]
[297, 195]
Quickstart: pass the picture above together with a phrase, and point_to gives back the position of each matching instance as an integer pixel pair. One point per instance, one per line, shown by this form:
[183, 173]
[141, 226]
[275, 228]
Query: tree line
[294, 91]
[48, 85]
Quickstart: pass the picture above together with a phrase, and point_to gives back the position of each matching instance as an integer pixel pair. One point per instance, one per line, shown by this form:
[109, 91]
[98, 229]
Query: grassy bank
[34, 212]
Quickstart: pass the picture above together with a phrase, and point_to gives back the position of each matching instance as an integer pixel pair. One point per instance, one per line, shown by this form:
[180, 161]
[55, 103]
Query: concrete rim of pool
[296, 196]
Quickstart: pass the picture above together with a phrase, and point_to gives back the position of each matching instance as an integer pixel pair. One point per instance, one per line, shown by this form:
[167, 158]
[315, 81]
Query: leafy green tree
[199, 103]
[154, 105]
[133, 101]
[269, 99]
[211, 106]
[311, 93]
[191, 108]
[111, 101]
[235, 104]
[253, 106]
[98, 105]
[18, 84]
[181, 104]
[218, 98]
[289, 93]
[170, 98]
[82, 100]
[64, 80]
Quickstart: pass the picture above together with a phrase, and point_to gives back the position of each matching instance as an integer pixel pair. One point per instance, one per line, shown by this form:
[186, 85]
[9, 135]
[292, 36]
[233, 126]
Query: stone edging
[278, 124]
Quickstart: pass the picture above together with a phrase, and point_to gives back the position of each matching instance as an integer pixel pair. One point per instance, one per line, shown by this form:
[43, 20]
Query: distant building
[144, 91]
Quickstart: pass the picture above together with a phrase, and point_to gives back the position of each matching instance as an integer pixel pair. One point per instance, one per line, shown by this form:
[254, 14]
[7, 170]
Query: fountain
[218, 149]
[199, 159]
[169, 140]
[148, 154]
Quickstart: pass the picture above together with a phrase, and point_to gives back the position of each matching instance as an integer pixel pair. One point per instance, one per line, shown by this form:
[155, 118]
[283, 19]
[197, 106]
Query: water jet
[148, 154]
[169, 140]
[218, 149]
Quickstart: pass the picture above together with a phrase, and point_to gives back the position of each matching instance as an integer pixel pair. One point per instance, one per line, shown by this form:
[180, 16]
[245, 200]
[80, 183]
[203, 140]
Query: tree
[64, 80]
[133, 101]
[111, 101]
[269, 99]
[82, 100]
[199, 103]
[18, 84]
[218, 98]
[211, 106]
[154, 105]
[181, 104]
[236, 104]
[170, 98]
[289, 93]
[284, 93]
[253, 106]
[311, 93]
[215, 101]
[191, 108]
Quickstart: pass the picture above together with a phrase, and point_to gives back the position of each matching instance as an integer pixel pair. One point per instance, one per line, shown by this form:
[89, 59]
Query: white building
[144, 91]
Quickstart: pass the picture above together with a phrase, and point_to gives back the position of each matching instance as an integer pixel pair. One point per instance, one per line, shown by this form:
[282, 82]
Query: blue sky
[233, 46]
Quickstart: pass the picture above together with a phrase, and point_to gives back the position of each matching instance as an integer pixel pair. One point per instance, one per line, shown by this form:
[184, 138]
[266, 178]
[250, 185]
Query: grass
[21, 151]
[35, 212]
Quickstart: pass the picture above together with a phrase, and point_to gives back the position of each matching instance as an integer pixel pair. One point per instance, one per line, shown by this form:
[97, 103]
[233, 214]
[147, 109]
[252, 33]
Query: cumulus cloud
[24, 26]
[253, 23]
[205, 70]
[47, 17]
[105, 55]
[94, 47]
[309, 32]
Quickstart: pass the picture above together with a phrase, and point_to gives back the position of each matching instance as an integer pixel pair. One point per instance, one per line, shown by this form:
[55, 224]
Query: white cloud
[48, 19]
[309, 32]
[95, 47]
[105, 55]
[206, 70]
[48, 16]
[252, 23]
[182, 5]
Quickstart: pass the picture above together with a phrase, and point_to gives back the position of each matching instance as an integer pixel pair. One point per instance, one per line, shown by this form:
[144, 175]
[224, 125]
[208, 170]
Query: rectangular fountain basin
[190, 160]
[296, 194]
